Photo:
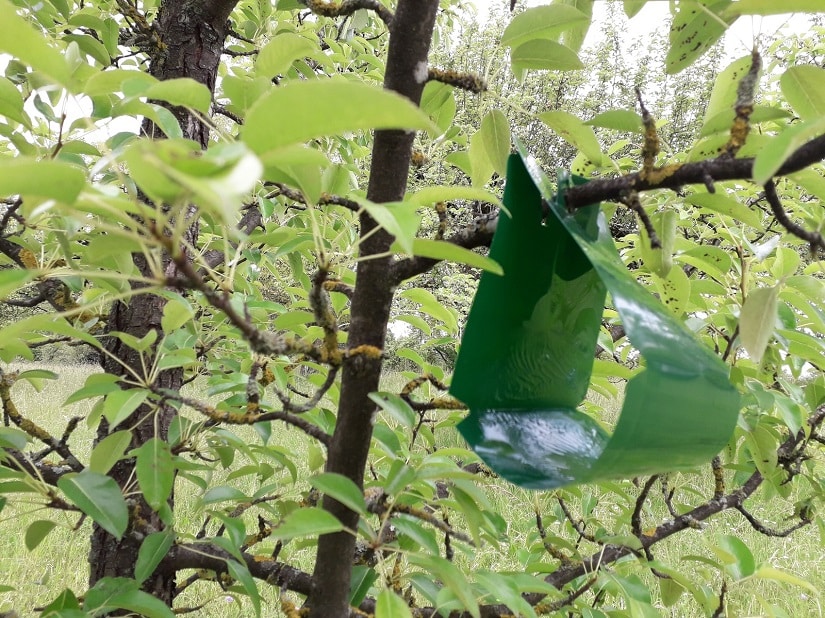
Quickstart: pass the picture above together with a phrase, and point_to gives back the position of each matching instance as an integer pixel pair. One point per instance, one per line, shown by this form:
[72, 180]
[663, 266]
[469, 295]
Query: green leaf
[671, 590]
[363, 577]
[11, 103]
[461, 160]
[575, 132]
[430, 305]
[443, 250]
[155, 472]
[660, 259]
[176, 313]
[221, 493]
[620, 120]
[13, 279]
[327, 107]
[804, 88]
[279, 54]
[44, 178]
[96, 384]
[722, 122]
[573, 36]
[37, 374]
[390, 605]
[541, 22]
[112, 593]
[311, 521]
[241, 573]
[342, 489]
[791, 412]
[66, 600]
[37, 531]
[448, 193]
[119, 404]
[505, 591]
[111, 81]
[674, 291]
[542, 54]
[399, 218]
[183, 91]
[695, 28]
[438, 102]
[11, 437]
[758, 320]
[396, 407]
[495, 135]
[743, 565]
[777, 149]
[109, 451]
[452, 578]
[153, 549]
[99, 497]
[721, 203]
[481, 167]
[769, 572]
[631, 7]
[723, 94]
[22, 42]
[771, 7]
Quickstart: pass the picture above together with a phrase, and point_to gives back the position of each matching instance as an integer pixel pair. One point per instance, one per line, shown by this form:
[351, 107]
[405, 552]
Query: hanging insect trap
[528, 350]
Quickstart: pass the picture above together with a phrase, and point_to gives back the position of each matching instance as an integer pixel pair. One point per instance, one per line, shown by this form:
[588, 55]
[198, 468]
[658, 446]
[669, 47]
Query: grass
[60, 560]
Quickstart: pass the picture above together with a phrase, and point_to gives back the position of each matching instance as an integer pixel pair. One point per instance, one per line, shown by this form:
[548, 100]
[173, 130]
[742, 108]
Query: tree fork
[410, 36]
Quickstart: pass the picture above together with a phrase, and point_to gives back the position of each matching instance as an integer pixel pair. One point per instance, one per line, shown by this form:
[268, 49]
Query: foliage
[234, 264]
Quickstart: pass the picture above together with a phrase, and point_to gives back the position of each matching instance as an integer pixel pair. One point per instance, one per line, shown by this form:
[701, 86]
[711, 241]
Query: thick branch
[54, 291]
[611, 189]
[49, 473]
[251, 219]
[348, 7]
[207, 556]
[478, 234]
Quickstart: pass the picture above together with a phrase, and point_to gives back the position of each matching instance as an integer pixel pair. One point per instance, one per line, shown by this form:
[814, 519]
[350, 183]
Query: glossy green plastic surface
[528, 350]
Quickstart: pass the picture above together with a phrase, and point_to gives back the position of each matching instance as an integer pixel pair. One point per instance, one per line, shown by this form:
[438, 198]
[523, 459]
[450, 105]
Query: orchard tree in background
[234, 265]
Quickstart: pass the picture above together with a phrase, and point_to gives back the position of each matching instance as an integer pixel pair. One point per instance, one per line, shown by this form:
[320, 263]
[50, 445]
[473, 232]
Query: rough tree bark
[191, 36]
[406, 73]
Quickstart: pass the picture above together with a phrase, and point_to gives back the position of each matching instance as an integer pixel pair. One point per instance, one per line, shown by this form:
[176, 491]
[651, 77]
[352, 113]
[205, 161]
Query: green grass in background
[61, 559]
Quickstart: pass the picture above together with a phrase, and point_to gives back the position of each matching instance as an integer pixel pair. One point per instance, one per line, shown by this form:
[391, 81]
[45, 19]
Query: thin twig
[814, 239]
[631, 200]
[636, 518]
[220, 109]
[763, 529]
[577, 525]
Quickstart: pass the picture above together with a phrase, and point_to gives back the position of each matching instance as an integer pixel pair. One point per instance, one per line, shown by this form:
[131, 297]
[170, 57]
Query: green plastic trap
[528, 349]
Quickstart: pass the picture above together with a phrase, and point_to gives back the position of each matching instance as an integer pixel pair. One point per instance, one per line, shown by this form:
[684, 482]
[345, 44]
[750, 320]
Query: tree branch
[246, 418]
[763, 529]
[48, 472]
[251, 219]
[348, 7]
[671, 177]
[478, 234]
[814, 239]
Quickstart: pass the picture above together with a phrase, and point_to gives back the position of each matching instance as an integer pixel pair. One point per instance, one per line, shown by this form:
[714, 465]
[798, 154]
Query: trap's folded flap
[528, 349]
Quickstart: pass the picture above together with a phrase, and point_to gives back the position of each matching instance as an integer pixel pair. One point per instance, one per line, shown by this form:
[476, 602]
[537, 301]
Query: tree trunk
[193, 34]
[409, 46]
